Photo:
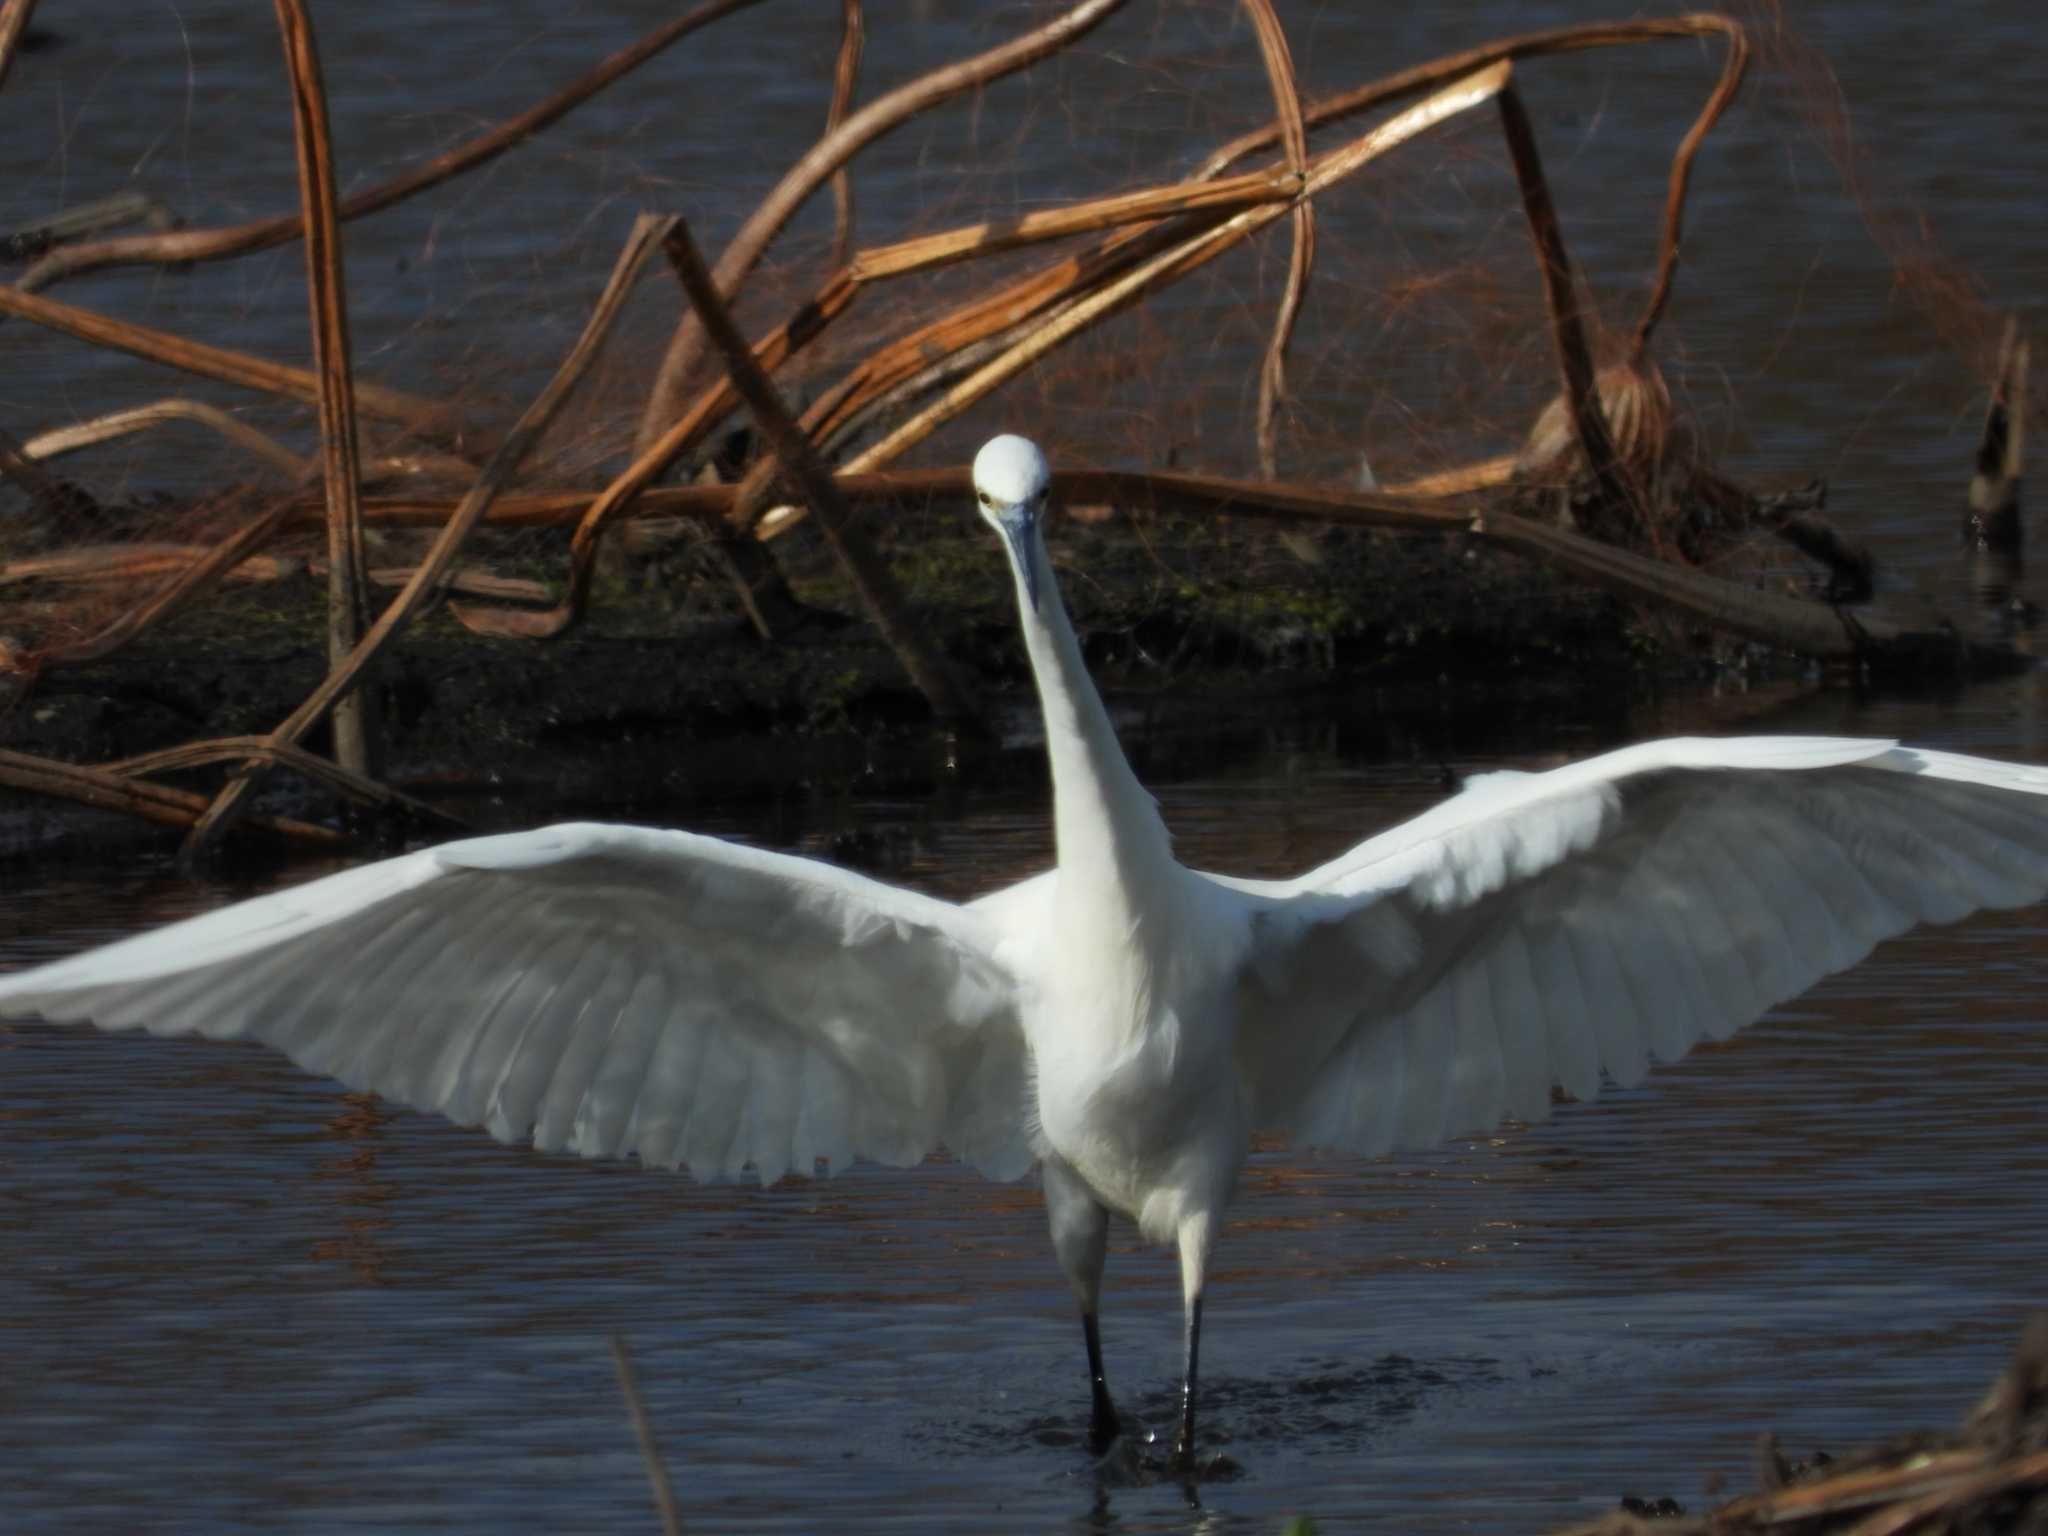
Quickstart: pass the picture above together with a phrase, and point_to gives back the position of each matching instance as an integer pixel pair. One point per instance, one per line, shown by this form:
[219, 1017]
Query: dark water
[237, 1298]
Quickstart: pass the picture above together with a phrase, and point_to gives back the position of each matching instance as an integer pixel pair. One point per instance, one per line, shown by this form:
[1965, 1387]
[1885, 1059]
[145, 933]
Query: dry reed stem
[1529, 45]
[60, 441]
[1992, 520]
[430, 418]
[643, 1434]
[1174, 262]
[18, 465]
[193, 582]
[887, 607]
[261, 234]
[1561, 298]
[354, 724]
[130, 562]
[198, 754]
[1734, 65]
[990, 237]
[152, 802]
[1294, 134]
[845, 81]
[646, 235]
[93, 563]
[14, 15]
[835, 149]
[886, 370]
[1461, 479]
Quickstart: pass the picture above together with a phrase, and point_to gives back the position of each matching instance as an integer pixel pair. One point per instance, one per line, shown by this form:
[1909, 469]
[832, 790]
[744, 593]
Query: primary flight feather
[1122, 1020]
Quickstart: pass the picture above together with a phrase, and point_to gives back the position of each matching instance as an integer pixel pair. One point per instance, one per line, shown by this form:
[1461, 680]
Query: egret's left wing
[1558, 927]
[606, 990]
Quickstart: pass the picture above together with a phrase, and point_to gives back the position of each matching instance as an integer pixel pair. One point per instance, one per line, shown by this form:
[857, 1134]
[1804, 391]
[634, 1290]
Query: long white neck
[1106, 827]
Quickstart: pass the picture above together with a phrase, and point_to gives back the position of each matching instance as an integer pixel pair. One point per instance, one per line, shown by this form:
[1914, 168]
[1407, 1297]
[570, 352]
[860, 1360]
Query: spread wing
[609, 990]
[1555, 927]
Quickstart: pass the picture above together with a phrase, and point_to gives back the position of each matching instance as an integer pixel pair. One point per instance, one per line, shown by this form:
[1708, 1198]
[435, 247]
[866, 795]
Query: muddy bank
[667, 693]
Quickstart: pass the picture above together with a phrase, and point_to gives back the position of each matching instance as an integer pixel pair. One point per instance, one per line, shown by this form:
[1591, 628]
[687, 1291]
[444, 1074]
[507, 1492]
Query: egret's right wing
[609, 990]
[1565, 927]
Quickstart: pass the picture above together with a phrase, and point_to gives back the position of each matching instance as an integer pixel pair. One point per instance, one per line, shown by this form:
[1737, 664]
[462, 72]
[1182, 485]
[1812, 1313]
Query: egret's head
[1010, 481]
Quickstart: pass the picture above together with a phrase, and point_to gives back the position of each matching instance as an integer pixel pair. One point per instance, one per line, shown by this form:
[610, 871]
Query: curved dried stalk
[845, 80]
[430, 418]
[14, 15]
[262, 234]
[1733, 66]
[348, 601]
[132, 562]
[686, 347]
[1145, 207]
[988, 238]
[193, 582]
[224, 749]
[152, 802]
[19, 467]
[1172, 263]
[59, 441]
[640, 244]
[1294, 133]
[885, 602]
[1561, 298]
[1529, 45]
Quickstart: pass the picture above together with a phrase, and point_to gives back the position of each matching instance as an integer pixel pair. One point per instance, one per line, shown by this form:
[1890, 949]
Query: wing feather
[1568, 927]
[611, 990]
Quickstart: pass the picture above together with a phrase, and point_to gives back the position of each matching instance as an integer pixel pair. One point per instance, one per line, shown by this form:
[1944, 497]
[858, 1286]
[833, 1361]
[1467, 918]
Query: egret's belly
[1153, 1131]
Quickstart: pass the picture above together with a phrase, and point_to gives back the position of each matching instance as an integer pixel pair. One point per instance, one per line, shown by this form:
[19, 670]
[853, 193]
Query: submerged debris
[1988, 1478]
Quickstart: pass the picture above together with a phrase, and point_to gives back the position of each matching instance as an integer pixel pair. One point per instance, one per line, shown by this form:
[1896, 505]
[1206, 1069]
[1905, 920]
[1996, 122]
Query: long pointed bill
[1016, 528]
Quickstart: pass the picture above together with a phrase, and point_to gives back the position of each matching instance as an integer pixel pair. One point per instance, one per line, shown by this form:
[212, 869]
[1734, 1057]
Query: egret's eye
[988, 501]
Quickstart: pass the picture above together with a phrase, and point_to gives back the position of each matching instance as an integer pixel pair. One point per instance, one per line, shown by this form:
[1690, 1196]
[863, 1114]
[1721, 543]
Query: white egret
[1125, 1021]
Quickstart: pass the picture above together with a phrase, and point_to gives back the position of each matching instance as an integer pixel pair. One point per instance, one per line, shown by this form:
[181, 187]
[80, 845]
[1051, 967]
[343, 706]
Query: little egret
[1124, 1021]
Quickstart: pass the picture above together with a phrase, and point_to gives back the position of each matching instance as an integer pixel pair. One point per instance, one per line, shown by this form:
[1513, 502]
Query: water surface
[236, 1297]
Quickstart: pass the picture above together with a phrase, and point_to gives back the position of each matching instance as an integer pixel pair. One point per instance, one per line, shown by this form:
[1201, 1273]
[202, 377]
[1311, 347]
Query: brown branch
[991, 237]
[14, 15]
[835, 149]
[199, 754]
[18, 465]
[1560, 295]
[354, 724]
[1294, 134]
[1992, 521]
[131, 562]
[646, 235]
[643, 1434]
[260, 235]
[427, 417]
[193, 582]
[1572, 39]
[1189, 251]
[152, 802]
[845, 81]
[1733, 67]
[928, 667]
[60, 441]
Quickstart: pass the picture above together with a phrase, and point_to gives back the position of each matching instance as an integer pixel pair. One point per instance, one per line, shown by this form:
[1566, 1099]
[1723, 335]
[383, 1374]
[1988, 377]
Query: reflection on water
[238, 1298]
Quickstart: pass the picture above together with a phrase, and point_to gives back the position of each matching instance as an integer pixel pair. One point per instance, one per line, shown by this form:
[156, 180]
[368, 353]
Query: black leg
[1102, 1420]
[1184, 1438]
